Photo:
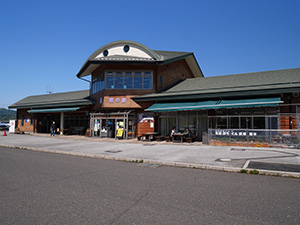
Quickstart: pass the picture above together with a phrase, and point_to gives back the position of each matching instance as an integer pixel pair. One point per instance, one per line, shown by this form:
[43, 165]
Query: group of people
[187, 132]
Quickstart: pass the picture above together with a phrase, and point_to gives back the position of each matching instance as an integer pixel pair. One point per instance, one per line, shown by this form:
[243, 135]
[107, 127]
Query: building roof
[258, 83]
[64, 99]
[136, 53]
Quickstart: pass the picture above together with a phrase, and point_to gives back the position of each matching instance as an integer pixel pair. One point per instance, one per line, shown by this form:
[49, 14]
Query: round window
[105, 53]
[126, 48]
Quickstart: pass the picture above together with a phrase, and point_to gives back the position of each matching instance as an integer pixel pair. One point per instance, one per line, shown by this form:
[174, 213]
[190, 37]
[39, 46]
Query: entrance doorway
[104, 127]
[44, 122]
[110, 125]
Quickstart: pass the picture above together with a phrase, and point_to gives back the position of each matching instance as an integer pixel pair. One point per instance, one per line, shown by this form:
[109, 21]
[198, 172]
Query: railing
[255, 138]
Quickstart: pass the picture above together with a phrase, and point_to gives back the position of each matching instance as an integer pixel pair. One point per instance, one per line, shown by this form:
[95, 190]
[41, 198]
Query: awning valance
[53, 110]
[221, 104]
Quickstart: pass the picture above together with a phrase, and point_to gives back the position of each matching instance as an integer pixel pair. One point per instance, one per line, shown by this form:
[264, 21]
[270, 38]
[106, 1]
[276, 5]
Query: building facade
[123, 70]
[117, 72]
[70, 111]
[136, 90]
[252, 109]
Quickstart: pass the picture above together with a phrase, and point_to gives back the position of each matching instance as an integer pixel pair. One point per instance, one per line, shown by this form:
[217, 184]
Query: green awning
[243, 103]
[221, 104]
[166, 107]
[53, 110]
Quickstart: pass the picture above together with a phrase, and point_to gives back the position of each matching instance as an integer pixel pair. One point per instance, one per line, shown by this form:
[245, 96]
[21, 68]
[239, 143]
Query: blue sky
[44, 43]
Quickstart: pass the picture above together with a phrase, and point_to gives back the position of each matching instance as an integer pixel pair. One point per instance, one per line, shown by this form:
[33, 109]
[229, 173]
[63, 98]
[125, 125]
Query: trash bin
[205, 138]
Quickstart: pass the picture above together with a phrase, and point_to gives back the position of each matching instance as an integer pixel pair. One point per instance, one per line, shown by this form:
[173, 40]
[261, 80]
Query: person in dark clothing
[187, 132]
[52, 129]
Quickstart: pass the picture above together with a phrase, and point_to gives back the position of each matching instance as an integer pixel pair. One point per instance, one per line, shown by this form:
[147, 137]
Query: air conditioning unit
[295, 94]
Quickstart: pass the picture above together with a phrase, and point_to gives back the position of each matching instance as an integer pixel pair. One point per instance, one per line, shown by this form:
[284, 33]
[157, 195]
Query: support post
[62, 115]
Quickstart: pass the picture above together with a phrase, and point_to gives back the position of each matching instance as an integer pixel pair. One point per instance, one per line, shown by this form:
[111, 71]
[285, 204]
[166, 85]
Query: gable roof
[64, 99]
[137, 54]
[272, 82]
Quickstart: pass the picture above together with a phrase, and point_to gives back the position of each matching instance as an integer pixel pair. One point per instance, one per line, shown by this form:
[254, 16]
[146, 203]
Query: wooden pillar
[62, 115]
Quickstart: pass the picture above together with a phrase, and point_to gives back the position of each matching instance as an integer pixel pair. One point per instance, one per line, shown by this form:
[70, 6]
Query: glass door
[131, 128]
[97, 126]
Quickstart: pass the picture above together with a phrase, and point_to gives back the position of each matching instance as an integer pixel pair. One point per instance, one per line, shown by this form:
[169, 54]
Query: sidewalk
[194, 155]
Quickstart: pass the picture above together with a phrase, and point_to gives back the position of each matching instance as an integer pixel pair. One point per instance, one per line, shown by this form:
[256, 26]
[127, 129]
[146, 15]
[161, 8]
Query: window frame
[97, 83]
[148, 74]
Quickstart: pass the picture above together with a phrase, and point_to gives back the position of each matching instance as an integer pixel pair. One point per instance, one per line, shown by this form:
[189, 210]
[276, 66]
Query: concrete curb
[161, 163]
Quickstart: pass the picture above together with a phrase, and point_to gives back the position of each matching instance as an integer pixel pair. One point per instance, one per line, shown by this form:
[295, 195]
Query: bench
[190, 139]
[148, 136]
[17, 131]
[167, 138]
[159, 138]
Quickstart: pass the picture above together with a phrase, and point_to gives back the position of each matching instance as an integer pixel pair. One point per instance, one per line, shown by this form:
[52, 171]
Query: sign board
[120, 132]
[12, 126]
[234, 133]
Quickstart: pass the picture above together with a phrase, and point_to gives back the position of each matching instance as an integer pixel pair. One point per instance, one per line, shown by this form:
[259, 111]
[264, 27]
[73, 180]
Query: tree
[7, 114]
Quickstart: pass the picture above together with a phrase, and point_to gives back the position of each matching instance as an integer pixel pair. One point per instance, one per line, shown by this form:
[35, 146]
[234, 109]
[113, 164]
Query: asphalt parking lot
[285, 162]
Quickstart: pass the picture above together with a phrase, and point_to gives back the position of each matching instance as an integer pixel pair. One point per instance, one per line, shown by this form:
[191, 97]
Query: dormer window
[105, 53]
[126, 48]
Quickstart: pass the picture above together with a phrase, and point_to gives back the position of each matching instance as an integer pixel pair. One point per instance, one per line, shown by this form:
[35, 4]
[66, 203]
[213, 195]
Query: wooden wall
[27, 126]
[171, 73]
[289, 121]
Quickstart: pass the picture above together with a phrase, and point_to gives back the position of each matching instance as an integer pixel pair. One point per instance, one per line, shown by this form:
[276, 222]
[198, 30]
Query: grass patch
[254, 172]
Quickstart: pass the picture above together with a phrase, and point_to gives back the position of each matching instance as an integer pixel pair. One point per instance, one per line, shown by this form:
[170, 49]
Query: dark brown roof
[64, 99]
[276, 81]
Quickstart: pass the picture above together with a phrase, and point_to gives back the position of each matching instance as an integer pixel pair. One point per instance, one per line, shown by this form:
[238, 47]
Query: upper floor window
[128, 84]
[128, 80]
[97, 84]
[160, 81]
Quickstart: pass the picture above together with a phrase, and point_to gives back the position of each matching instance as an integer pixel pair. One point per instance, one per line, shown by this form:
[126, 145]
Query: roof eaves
[52, 104]
[215, 94]
[152, 53]
[127, 62]
[57, 102]
[222, 89]
[83, 68]
[198, 65]
[174, 59]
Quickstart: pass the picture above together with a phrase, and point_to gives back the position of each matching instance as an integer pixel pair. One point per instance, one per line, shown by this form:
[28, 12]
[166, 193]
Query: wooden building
[117, 72]
[70, 111]
[136, 90]
[255, 107]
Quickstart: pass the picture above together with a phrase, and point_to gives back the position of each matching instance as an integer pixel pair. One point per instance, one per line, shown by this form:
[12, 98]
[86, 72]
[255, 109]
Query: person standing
[52, 129]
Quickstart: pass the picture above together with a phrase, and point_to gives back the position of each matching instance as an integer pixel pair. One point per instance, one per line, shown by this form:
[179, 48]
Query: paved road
[46, 188]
